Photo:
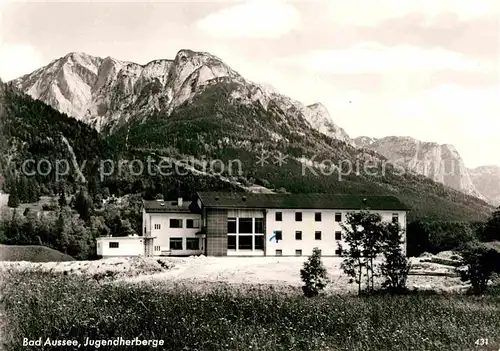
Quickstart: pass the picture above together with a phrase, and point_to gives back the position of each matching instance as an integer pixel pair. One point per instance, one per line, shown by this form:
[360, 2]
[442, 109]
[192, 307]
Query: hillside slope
[218, 124]
[486, 179]
[441, 163]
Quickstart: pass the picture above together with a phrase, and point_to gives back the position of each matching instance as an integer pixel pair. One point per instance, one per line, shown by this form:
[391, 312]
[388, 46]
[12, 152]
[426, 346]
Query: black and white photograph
[250, 175]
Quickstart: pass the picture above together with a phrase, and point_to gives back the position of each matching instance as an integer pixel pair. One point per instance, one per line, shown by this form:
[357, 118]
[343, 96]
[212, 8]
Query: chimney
[179, 201]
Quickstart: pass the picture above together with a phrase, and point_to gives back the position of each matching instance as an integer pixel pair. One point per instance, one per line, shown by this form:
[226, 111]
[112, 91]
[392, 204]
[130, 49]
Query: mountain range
[196, 106]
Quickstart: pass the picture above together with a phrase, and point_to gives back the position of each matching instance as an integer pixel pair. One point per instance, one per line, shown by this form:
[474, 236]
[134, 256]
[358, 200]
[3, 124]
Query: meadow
[59, 305]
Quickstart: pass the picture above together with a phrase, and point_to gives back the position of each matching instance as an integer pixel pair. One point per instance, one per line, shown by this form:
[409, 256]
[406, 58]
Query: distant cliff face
[441, 163]
[486, 179]
[105, 92]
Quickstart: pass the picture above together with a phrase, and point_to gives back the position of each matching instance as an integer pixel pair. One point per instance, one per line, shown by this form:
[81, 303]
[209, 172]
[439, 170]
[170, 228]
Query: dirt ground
[201, 271]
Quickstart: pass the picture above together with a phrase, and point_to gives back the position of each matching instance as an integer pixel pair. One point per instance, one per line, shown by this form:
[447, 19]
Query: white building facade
[236, 224]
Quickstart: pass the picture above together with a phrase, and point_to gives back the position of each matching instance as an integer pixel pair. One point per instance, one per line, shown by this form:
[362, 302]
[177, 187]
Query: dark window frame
[179, 221]
[298, 216]
[192, 240]
[176, 240]
[298, 235]
[278, 216]
[111, 245]
[317, 216]
[190, 223]
[338, 217]
[338, 235]
[316, 236]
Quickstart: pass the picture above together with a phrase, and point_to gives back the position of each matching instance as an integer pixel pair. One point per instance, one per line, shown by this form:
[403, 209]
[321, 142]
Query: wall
[4, 199]
[216, 232]
[163, 235]
[128, 246]
[328, 245]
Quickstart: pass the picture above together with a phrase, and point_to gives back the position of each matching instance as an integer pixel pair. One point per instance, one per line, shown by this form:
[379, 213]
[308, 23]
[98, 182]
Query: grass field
[32, 253]
[57, 305]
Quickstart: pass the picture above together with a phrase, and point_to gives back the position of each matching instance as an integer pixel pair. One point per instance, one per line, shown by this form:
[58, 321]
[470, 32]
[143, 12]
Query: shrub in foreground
[480, 263]
[313, 274]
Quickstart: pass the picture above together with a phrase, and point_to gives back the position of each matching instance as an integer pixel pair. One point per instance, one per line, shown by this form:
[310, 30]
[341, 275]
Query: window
[175, 223]
[298, 216]
[245, 233]
[338, 252]
[114, 244]
[259, 226]
[157, 248]
[338, 235]
[278, 235]
[231, 242]
[157, 226]
[317, 235]
[298, 235]
[245, 225]
[175, 243]
[231, 225]
[192, 244]
[278, 216]
[338, 217]
[279, 252]
[259, 242]
[98, 245]
[298, 252]
[245, 242]
[395, 218]
[317, 216]
[192, 223]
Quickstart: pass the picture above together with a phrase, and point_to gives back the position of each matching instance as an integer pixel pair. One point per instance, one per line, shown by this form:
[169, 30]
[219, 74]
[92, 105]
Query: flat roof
[301, 201]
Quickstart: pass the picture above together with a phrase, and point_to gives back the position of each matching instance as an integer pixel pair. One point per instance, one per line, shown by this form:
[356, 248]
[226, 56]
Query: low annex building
[241, 224]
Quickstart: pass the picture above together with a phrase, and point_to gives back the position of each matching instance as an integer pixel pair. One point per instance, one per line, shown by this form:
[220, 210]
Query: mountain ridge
[80, 85]
[440, 162]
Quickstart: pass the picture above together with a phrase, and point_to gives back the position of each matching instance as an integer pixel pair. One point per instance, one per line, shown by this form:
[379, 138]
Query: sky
[428, 69]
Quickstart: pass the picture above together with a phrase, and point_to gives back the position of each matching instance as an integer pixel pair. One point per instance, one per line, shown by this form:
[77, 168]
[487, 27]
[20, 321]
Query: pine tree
[314, 274]
[13, 197]
[62, 198]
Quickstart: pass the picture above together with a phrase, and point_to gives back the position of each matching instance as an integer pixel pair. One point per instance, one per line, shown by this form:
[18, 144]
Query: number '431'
[481, 342]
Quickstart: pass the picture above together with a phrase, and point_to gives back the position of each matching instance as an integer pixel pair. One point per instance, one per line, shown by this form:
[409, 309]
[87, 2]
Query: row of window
[178, 223]
[175, 244]
[191, 244]
[278, 217]
[338, 252]
[298, 235]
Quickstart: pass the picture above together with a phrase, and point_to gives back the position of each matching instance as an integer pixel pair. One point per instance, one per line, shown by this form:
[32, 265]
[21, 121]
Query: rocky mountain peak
[105, 92]
[441, 163]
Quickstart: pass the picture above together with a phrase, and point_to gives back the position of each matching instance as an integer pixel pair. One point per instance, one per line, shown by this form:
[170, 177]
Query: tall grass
[60, 306]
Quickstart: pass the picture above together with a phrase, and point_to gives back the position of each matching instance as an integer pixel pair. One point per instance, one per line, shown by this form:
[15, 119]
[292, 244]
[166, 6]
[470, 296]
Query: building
[240, 224]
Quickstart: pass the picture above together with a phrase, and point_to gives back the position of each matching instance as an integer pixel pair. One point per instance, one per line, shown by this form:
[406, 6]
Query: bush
[480, 263]
[396, 266]
[314, 274]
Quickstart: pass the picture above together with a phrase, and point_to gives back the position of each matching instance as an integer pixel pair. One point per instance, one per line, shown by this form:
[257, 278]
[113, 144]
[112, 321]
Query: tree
[491, 231]
[62, 198]
[83, 204]
[396, 266]
[13, 198]
[479, 263]
[314, 274]
[363, 232]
